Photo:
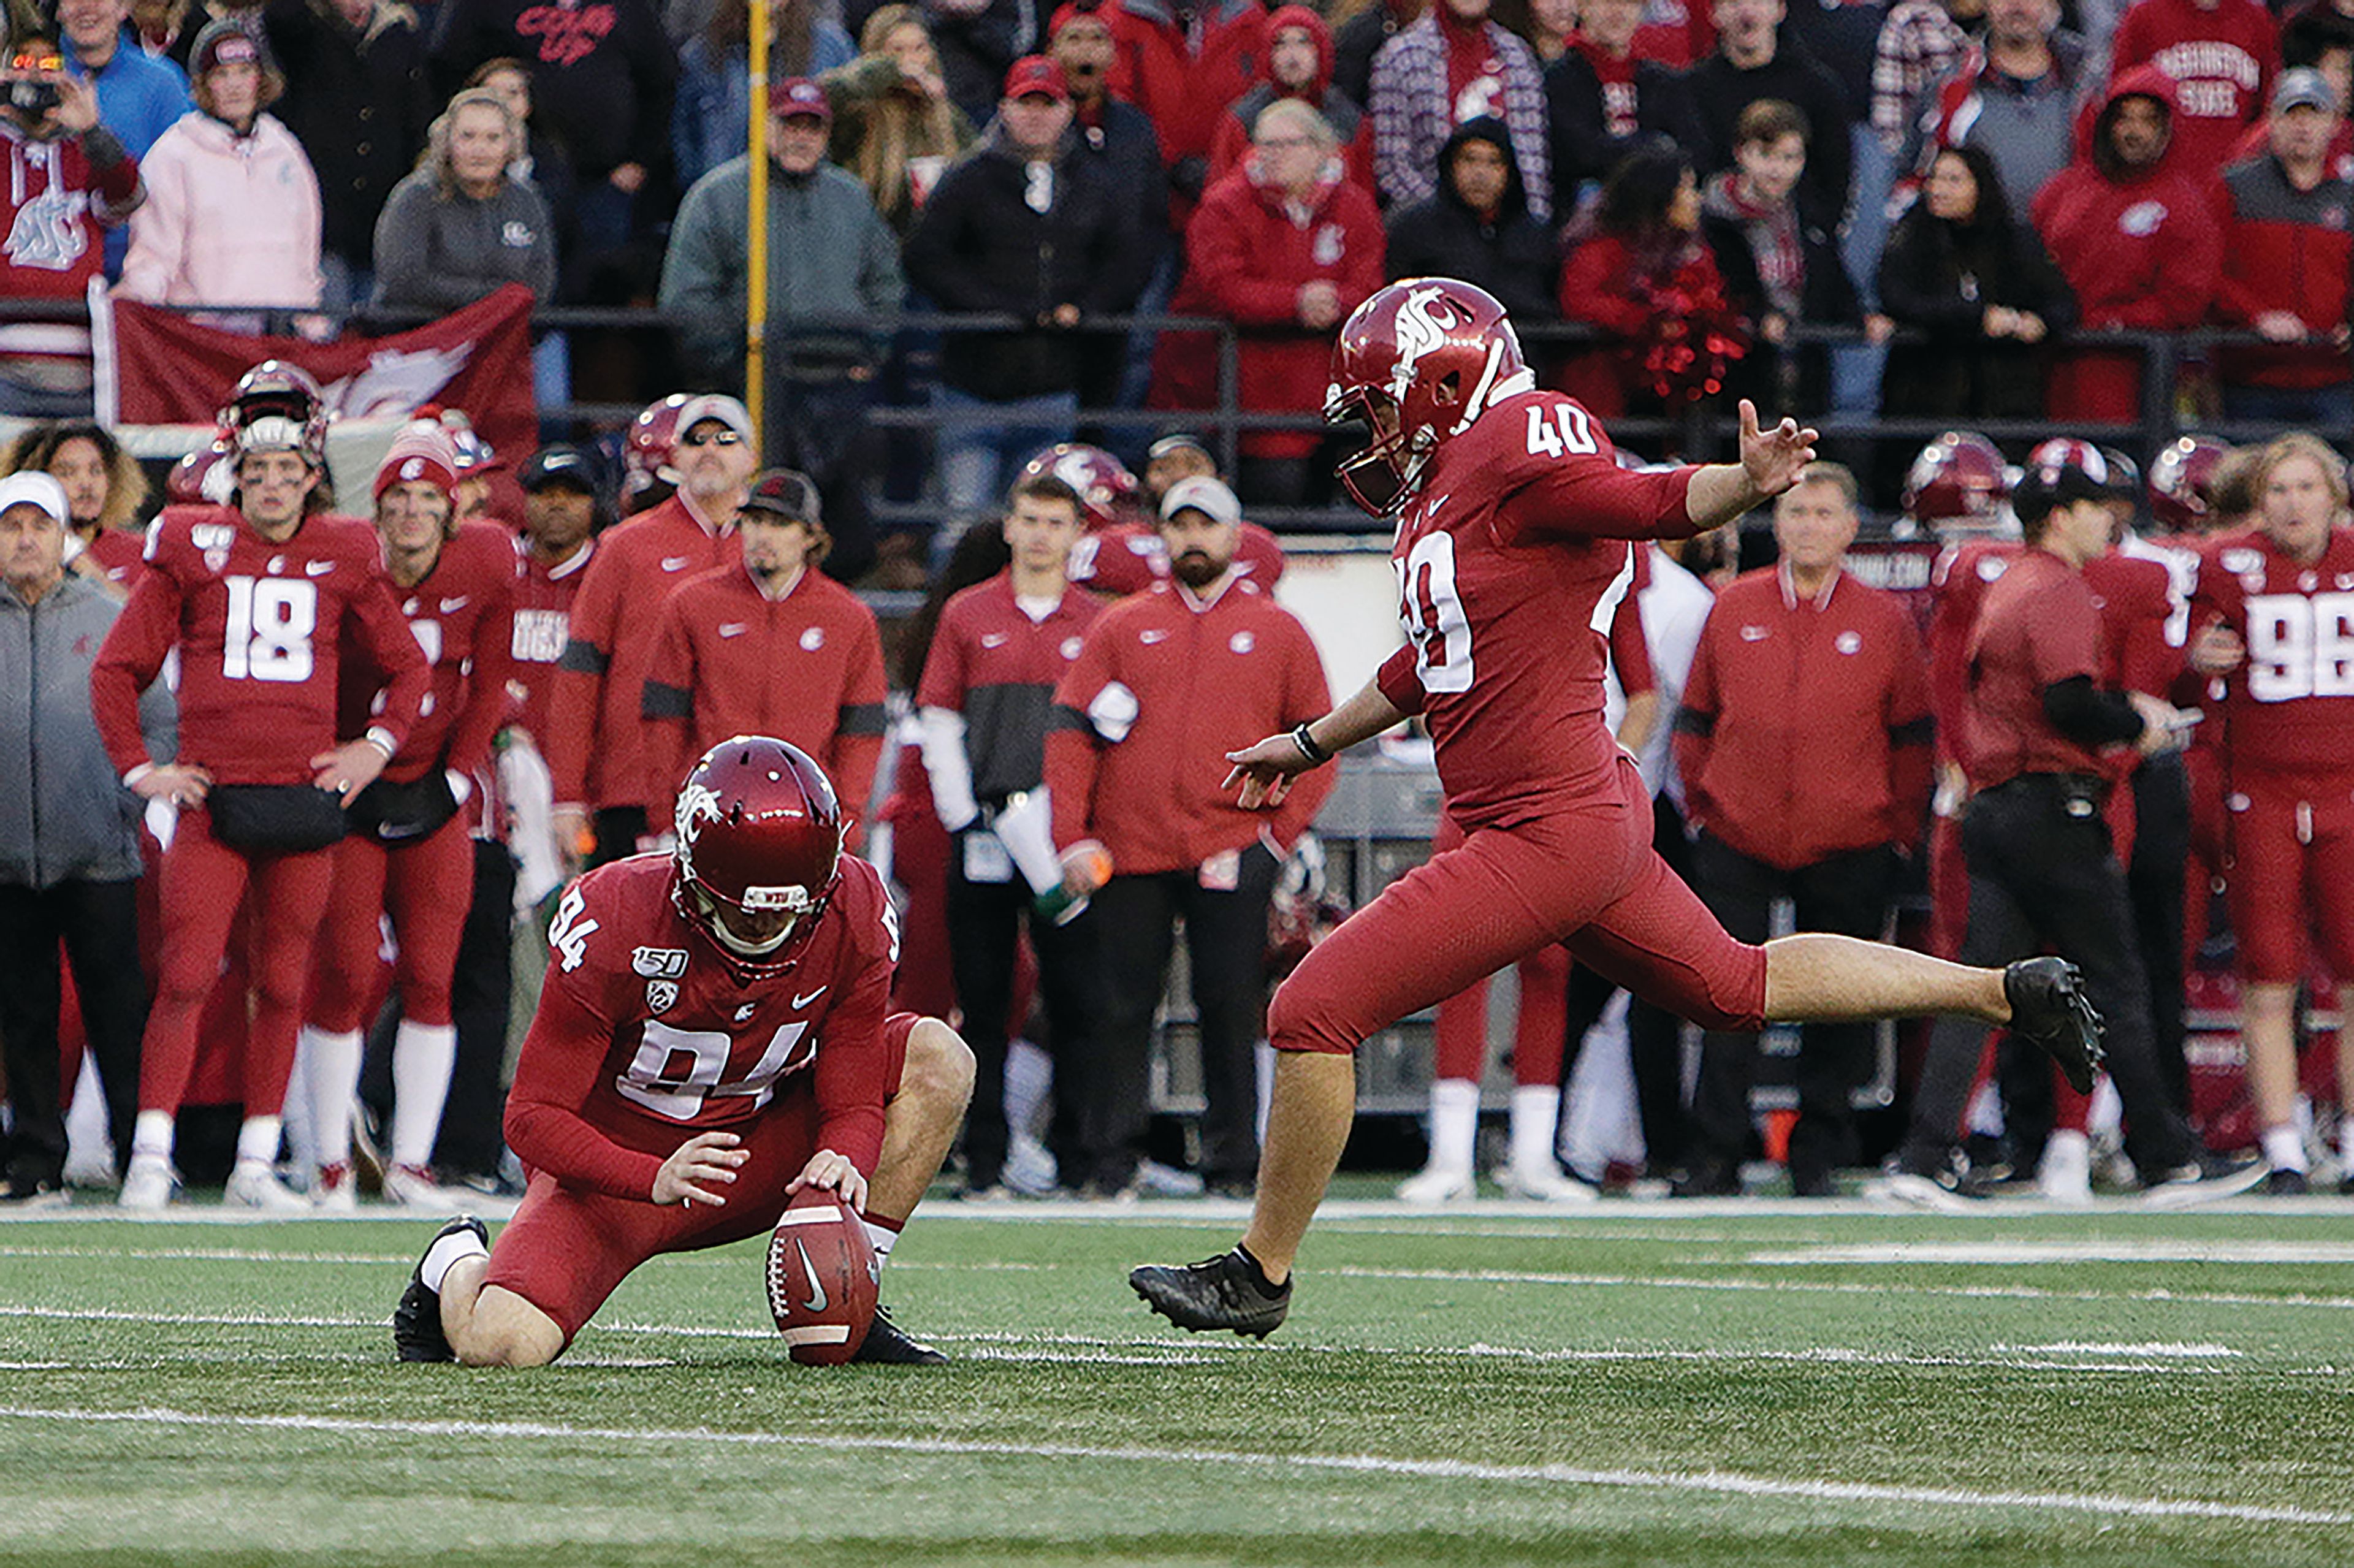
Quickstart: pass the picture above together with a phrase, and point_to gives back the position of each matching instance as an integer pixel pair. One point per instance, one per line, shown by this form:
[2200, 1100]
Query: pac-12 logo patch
[661, 995]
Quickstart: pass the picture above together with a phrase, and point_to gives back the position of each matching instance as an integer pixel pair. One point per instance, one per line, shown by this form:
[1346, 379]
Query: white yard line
[1719, 1483]
[2060, 1250]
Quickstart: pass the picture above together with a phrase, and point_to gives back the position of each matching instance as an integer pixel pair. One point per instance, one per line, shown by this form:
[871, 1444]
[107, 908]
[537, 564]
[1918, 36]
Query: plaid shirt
[1918, 45]
[1412, 117]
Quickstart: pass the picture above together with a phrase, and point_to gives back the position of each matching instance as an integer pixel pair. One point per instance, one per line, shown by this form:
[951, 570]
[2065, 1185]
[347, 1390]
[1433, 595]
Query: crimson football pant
[1587, 876]
[1460, 1032]
[426, 888]
[203, 883]
[1846, 893]
[2292, 872]
[2043, 877]
[568, 1247]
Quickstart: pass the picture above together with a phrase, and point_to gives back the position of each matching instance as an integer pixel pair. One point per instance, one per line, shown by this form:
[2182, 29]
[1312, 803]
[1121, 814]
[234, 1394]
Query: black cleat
[2283, 1182]
[2203, 1178]
[417, 1333]
[1221, 1292]
[2048, 1008]
[888, 1344]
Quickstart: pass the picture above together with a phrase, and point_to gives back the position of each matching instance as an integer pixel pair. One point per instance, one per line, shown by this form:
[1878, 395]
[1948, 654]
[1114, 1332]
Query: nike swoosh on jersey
[734, 629]
[448, 605]
[816, 1303]
[317, 569]
[1150, 634]
[801, 1002]
[674, 563]
[993, 640]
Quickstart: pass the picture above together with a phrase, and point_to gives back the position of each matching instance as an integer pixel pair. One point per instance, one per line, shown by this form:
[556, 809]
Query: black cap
[559, 465]
[787, 494]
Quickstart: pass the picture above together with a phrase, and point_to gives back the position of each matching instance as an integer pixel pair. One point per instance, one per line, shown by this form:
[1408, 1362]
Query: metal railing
[647, 341]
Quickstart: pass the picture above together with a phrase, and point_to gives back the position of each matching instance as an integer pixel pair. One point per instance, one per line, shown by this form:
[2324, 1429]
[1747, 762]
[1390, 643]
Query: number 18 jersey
[257, 626]
[2289, 710]
[1511, 563]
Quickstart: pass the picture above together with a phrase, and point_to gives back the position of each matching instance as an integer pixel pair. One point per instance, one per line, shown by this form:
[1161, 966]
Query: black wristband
[1317, 755]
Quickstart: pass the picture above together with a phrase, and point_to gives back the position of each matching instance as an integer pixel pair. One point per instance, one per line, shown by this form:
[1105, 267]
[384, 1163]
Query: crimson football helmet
[758, 852]
[2178, 478]
[1960, 479]
[277, 407]
[1106, 487]
[203, 475]
[647, 450]
[1415, 364]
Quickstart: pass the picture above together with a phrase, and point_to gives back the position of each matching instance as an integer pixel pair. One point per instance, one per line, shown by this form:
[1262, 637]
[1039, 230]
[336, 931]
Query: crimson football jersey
[543, 624]
[644, 1037]
[1958, 585]
[461, 615]
[2290, 708]
[1510, 564]
[258, 628]
[117, 553]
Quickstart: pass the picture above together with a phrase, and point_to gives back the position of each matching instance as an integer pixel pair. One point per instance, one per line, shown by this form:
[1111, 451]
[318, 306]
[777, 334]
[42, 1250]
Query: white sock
[883, 1236]
[2346, 1143]
[445, 1251]
[1028, 1079]
[258, 1140]
[151, 1135]
[421, 1058]
[1453, 1123]
[331, 1081]
[1536, 1113]
[2283, 1149]
[86, 1135]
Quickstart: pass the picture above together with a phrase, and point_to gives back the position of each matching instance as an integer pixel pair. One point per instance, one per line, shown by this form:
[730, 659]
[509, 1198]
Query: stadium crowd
[1969, 187]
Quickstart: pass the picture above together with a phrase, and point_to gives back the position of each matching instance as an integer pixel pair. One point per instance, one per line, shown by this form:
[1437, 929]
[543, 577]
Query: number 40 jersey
[257, 626]
[645, 1035]
[2287, 712]
[1511, 562]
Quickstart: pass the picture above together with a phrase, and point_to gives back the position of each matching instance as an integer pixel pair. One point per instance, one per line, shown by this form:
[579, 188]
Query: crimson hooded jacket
[1232, 140]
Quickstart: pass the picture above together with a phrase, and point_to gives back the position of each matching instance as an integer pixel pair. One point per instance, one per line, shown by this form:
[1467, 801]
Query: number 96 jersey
[643, 1037]
[257, 625]
[1511, 563]
[2286, 712]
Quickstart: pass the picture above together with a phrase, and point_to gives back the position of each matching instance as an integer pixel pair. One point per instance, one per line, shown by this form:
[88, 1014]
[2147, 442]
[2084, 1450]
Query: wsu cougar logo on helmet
[1420, 331]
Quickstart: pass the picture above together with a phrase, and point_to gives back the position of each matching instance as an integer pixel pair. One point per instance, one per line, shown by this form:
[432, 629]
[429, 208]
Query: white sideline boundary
[1718, 1483]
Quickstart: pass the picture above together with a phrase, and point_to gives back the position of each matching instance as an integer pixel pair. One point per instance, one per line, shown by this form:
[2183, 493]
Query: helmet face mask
[758, 853]
[1381, 476]
[277, 407]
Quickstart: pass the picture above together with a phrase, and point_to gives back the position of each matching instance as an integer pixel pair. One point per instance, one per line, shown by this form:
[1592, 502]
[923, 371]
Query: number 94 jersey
[645, 1035]
[257, 625]
[2286, 710]
[1511, 562]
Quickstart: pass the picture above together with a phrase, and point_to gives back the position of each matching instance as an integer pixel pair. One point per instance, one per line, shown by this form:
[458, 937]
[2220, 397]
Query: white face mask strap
[1479, 399]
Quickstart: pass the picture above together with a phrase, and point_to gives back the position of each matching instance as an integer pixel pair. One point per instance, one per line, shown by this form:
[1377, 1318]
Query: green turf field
[1704, 1383]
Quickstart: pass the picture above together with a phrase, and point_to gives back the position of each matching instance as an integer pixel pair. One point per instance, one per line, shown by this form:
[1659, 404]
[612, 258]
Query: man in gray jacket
[832, 262]
[68, 841]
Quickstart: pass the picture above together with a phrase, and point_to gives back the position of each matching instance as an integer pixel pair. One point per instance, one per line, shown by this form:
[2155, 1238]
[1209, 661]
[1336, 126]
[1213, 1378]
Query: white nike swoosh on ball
[816, 1303]
[801, 1002]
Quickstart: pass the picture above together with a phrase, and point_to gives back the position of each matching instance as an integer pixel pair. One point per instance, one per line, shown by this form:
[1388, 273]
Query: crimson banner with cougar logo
[165, 369]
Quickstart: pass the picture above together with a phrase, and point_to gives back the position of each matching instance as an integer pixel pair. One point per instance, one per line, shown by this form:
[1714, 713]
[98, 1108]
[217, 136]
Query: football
[822, 1278]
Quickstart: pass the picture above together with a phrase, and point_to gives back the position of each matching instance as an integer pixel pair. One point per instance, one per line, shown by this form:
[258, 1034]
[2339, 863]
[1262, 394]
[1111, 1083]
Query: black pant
[985, 921]
[99, 924]
[1655, 1037]
[471, 1141]
[2044, 875]
[1225, 940]
[619, 828]
[1844, 894]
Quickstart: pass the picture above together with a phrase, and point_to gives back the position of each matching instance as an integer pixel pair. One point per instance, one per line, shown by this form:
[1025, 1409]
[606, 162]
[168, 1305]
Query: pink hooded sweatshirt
[228, 220]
